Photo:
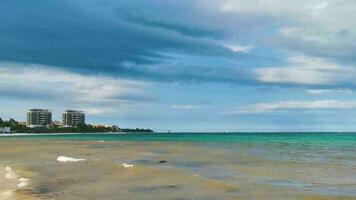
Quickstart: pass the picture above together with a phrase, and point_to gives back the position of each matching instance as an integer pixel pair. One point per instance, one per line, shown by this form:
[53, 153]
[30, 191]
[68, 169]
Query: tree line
[16, 127]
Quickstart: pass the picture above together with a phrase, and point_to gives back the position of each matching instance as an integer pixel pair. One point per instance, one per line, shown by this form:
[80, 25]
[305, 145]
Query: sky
[183, 65]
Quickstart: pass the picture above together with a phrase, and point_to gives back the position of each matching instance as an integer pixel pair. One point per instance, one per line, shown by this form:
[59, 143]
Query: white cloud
[307, 8]
[320, 11]
[308, 70]
[95, 94]
[328, 91]
[315, 27]
[239, 48]
[294, 105]
[185, 107]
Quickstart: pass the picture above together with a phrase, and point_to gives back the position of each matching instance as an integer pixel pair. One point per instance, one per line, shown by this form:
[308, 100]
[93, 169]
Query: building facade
[73, 118]
[57, 123]
[39, 117]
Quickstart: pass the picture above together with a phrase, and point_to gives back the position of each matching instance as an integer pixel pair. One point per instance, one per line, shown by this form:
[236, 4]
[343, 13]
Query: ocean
[179, 166]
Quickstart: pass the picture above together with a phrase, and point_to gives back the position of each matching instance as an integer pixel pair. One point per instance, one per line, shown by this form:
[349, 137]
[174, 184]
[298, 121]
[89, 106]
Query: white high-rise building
[73, 118]
[39, 117]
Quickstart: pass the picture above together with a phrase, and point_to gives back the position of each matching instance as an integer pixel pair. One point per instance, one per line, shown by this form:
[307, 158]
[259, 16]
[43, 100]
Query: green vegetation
[16, 127]
[13, 124]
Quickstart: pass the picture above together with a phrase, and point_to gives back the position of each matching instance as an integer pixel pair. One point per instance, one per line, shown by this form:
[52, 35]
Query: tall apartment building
[39, 117]
[73, 118]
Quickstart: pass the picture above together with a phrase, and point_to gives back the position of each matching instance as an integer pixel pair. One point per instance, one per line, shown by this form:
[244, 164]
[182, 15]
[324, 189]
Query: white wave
[23, 182]
[125, 165]
[8, 168]
[69, 159]
[10, 173]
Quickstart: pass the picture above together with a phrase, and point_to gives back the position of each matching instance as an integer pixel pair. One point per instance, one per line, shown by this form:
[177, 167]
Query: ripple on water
[289, 183]
[322, 189]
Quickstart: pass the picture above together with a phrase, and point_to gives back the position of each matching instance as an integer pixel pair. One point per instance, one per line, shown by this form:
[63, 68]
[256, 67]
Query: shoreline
[164, 133]
[59, 134]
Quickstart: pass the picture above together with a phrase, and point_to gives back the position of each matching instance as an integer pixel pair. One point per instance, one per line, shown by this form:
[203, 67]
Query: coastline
[59, 134]
[171, 133]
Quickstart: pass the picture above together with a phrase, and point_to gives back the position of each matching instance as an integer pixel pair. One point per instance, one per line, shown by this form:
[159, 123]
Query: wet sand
[173, 170]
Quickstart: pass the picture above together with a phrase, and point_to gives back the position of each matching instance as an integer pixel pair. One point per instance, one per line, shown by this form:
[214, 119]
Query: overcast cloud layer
[183, 65]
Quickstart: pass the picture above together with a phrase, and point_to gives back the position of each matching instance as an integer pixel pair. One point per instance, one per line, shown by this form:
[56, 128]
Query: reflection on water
[181, 170]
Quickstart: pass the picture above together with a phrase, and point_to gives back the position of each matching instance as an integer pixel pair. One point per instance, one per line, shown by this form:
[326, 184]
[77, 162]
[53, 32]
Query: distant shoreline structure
[39, 117]
[39, 121]
[14, 127]
[64, 134]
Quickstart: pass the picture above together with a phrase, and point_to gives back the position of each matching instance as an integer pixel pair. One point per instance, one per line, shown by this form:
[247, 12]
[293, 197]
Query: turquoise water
[292, 138]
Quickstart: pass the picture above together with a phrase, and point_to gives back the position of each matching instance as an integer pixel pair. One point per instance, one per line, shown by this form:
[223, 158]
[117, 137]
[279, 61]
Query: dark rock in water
[155, 188]
[162, 161]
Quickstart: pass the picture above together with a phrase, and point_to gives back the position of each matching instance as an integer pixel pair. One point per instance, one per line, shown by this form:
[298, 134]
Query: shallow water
[185, 166]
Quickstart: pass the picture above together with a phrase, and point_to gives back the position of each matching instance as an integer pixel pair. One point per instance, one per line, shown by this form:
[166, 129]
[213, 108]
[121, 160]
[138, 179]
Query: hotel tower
[73, 118]
[39, 117]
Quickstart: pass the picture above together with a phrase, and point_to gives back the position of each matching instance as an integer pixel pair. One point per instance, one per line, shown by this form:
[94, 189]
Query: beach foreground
[179, 166]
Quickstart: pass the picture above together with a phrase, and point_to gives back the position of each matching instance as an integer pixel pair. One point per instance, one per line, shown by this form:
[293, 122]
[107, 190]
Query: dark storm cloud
[142, 40]
[60, 34]
[19, 94]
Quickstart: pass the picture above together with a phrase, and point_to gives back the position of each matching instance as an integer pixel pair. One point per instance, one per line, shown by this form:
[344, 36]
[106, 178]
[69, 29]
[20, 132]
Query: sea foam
[69, 159]
[11, 174]
[23, 182]
[125, 165]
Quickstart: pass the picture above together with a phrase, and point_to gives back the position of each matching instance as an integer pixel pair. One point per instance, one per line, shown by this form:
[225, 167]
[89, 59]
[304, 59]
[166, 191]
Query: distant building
[5, 130]
[57, 123]
[23, 123]
[101, 126]
[39, 117]
[73, 118]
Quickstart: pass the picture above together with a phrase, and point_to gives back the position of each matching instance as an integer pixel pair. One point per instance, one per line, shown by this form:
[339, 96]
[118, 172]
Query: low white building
[5, 130]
